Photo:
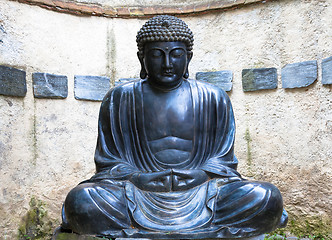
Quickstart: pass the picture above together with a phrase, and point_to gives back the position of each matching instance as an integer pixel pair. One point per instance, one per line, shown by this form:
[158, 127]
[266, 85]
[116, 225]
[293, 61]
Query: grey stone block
[91, 88]
[327, 71]
[12, 82]
[259, 78]
[47, 85]
[123, 80]
[222, 79]
[297, 75]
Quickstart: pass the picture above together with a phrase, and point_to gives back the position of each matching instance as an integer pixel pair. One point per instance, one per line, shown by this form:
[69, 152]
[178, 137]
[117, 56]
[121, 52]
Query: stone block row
[294, 75]
[45, 85]
[94, 88]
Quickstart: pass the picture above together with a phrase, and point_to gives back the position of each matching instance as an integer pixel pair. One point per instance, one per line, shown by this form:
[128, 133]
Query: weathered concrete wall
[283, 136]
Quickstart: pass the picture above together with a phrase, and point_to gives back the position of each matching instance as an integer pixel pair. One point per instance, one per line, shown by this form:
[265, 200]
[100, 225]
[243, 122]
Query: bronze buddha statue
[165, 163]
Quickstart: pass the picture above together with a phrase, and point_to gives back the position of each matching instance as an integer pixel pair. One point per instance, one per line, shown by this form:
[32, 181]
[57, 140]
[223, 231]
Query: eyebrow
[158, 48]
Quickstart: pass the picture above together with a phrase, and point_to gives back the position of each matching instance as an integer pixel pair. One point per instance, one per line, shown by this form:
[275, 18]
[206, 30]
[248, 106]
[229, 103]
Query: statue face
[165, 62]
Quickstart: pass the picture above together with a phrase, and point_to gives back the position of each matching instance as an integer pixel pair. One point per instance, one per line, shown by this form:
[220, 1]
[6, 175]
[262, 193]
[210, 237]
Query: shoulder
[113, 96]
[209, 88]
[118, 90]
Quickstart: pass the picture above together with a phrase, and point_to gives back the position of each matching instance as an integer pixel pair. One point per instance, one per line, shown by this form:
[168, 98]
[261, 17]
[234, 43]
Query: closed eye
[177, 53]
[156, 53]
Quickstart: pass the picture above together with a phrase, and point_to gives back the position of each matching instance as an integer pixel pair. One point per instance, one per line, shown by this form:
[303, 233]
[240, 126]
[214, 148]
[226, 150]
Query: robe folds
[224, 206]
[122, 146]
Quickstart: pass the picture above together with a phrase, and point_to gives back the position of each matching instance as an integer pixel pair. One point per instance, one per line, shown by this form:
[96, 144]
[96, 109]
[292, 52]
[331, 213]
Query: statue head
[165, 49]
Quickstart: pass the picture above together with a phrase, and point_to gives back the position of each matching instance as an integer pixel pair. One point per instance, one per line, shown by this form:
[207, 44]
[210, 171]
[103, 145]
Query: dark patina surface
[165, 163]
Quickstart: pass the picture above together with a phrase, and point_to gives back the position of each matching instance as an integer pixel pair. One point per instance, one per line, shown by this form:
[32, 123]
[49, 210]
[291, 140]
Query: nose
[167, 62]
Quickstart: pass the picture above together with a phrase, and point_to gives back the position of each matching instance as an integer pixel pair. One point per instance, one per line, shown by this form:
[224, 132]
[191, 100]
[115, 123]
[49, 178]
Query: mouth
[168, 73]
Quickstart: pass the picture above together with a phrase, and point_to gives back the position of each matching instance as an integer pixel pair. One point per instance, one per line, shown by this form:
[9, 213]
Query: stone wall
[138, 9]
[284, 134]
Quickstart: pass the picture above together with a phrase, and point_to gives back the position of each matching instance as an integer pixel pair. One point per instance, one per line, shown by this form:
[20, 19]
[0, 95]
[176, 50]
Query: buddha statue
[165, 163]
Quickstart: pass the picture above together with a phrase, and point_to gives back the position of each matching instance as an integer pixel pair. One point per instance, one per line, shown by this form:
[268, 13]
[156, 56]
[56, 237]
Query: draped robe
[122, 146]
[221, 207]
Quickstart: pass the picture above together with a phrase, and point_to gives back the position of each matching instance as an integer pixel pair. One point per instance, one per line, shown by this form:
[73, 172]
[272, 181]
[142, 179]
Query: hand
[154, 182]
[186, 179]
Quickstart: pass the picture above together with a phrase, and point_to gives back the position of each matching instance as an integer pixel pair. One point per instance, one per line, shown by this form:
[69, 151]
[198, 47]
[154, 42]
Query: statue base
[59, 235]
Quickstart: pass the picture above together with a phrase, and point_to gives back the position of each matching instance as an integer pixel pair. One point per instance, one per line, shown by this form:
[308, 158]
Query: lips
[168, 73]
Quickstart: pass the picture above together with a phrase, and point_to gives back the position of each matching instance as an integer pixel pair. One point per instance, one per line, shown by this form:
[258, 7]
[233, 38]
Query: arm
[111, 159]
[222, 162]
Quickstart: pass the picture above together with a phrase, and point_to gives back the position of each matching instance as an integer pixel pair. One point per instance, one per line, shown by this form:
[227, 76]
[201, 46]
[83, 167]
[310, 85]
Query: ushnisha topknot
[164, 28]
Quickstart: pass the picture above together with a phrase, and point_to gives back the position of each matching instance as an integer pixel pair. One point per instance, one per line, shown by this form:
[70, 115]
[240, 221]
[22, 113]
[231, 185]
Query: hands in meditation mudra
[165, 163]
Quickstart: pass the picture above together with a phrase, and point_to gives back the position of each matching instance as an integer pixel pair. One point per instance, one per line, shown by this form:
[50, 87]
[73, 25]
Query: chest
[168, 114]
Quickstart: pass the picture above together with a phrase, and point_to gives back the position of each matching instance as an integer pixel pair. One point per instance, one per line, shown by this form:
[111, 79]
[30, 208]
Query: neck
[166, 87]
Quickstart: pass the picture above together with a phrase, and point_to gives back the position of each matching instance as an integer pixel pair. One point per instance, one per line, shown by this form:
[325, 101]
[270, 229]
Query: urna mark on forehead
[164, 28]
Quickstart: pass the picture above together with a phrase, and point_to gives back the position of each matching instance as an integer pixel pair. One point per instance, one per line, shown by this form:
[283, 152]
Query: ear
[189, 57]
[143, 73]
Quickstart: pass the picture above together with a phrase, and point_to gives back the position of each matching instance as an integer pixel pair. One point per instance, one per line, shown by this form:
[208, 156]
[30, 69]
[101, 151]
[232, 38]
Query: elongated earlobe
[186, 74]
[189, 57]
[143, 74]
